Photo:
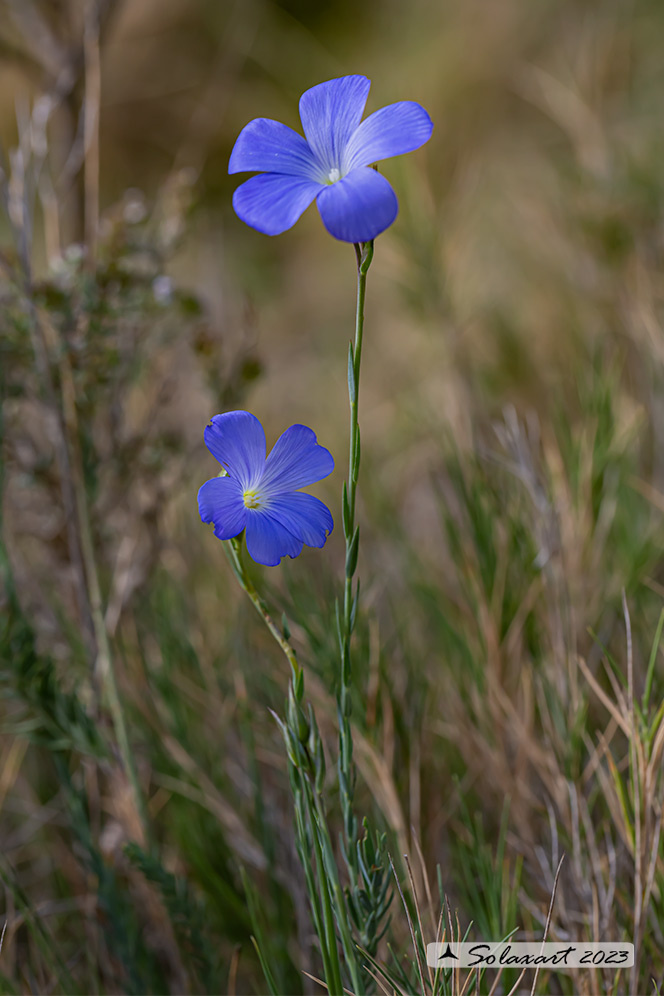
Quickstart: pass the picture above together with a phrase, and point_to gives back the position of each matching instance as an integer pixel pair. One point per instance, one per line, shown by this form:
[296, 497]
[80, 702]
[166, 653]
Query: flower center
[334, 175]
[251, 499]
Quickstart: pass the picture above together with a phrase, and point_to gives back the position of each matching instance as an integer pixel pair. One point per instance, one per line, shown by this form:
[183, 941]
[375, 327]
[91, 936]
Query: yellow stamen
[251, 499]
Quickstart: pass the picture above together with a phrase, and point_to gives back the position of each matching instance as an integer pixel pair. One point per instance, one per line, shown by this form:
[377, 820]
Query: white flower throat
[334, 175]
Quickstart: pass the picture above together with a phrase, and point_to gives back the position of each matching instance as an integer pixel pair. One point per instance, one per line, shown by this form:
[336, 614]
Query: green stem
[317, 834]
[334, 885]
[335, 985]
[364, 252]
[330, 957]
[233, 551]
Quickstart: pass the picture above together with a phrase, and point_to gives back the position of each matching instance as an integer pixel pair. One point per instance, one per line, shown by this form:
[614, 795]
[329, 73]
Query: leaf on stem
[345, 511]
[352, 554]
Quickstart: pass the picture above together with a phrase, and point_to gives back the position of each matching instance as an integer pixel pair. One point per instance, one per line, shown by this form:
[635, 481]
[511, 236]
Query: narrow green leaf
[651, 664]
[346, 663]
[317, 752]
[320, 836]
[352, 554]
[269, 978]
[340, 635]
[299, 686]
[337, 898]
[345, 511]
[303, 846]
[353, 610]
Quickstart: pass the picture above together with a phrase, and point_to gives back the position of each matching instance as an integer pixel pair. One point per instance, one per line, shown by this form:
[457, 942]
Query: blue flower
[332, 165]
[262, 495]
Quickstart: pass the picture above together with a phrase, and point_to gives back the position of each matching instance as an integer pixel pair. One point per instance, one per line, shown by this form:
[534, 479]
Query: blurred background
[508, 692]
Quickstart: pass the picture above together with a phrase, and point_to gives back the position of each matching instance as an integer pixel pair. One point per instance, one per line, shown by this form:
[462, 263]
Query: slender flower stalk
[364, 252]
[233, 551]
[307, 770]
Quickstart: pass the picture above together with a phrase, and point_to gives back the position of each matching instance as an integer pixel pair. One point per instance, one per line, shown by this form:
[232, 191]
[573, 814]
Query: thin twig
[43, 44]
[91, 107]
[17, 215]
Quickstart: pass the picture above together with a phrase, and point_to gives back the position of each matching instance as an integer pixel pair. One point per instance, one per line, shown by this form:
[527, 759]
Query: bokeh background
[512, 484]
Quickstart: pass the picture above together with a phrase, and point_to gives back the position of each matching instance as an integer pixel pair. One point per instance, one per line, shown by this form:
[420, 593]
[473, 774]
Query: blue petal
[359, 207]
[268, 540]
[237, 441]
[272, 202]
[220, 501]
[266, 146]
[330, 113]
[391, 131]
[304, 516]
[295, 461]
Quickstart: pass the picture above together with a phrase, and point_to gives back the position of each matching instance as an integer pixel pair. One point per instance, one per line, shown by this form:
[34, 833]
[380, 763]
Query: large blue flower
[262, 495]
[332, 165]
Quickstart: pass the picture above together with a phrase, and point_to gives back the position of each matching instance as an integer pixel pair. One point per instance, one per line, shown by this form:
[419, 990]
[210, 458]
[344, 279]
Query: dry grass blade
[379, 982]
[636, 772]
[473, 975]
[417, 910]
[603, 697]
[425, 877]
[232, 972]
[320, 982]
[410, 927]
[515, 987]
[548, 919]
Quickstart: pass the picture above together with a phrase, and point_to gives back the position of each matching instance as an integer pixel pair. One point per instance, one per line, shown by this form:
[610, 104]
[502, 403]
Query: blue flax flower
[332, 165]
[262, 495]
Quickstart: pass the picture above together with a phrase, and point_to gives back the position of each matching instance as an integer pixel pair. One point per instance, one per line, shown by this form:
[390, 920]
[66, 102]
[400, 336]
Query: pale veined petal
[295, 461]
[330, 113]
[391, 131]
[220, 501]
[237, 441]
[273, 202]
[268, 540]
[266, 146]
[304, 516]
[359, 207]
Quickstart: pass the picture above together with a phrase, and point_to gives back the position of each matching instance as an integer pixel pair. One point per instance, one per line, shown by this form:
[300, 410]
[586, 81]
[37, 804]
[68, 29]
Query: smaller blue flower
[331, 165]
[262, 495]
